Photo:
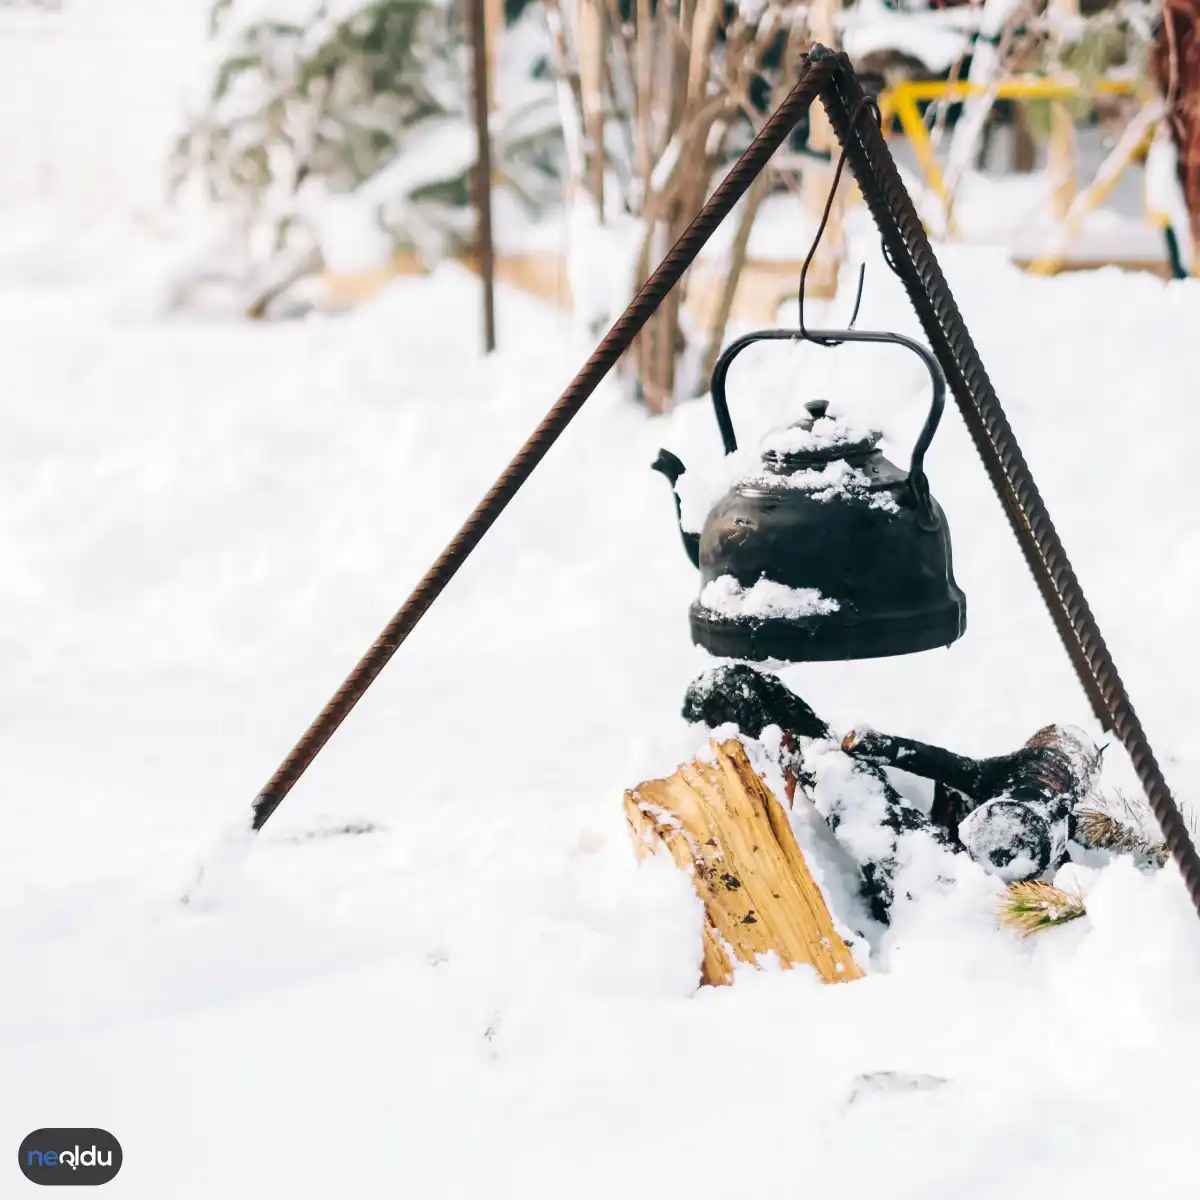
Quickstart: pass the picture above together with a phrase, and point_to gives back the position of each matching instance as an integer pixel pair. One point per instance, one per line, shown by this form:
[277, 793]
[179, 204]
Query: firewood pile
[1016, 815]
[721, 821]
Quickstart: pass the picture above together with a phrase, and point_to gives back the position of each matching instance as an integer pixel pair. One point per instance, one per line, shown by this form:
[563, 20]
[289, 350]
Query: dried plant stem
[975, 112]
[1033, 905]
[570, 96]
[737, 260]
[1106, 831]
[673, 77]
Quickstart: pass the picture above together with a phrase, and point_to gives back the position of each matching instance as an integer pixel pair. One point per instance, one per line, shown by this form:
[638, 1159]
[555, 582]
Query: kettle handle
[917, 481]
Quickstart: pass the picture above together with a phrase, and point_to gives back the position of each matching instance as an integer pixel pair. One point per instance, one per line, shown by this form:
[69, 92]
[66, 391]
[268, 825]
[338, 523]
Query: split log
[751, 700]
[721, 822]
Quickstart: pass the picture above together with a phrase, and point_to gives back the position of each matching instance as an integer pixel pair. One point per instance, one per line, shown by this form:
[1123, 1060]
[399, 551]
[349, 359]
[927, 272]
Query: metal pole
[911, 256]
[813, 77]
[483, 169]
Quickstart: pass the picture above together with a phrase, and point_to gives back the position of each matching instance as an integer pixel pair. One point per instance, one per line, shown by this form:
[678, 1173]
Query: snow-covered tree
[339, 130]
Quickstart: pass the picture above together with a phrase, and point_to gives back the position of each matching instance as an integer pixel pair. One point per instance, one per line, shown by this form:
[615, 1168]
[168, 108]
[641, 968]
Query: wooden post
[493, 22]
[1023, 145]
[483, 169]
[591, 77]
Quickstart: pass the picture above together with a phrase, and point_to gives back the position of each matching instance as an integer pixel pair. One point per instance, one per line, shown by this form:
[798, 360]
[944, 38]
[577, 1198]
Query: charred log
[1014, 813]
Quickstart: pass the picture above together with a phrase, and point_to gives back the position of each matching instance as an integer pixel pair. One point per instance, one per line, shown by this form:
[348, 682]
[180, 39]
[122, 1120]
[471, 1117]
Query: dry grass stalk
[733, 273]
[1033, 905]
[719, 821]
[570, 97]
[592, 50]
[1102, 829]
[676, 79]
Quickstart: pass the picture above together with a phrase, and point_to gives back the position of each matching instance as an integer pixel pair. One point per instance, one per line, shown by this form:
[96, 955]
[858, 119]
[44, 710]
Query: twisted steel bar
[482, 175]
[912, 257]
[813, 76]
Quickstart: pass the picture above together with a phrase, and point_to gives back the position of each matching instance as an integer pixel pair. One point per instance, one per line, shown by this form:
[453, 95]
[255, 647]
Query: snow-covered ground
[205, 524]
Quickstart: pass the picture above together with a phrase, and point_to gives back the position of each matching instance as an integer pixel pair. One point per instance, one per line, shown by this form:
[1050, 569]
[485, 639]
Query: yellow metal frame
[1096, 193]
[901, 102]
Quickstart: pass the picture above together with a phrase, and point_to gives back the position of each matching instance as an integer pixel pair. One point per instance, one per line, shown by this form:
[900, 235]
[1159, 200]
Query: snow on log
[721, 822]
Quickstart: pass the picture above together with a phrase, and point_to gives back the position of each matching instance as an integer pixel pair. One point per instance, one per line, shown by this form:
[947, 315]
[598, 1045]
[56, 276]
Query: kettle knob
[816, 408]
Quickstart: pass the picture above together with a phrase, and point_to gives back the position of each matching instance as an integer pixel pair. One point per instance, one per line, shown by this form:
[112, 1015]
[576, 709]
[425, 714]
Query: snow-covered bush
[338, 131]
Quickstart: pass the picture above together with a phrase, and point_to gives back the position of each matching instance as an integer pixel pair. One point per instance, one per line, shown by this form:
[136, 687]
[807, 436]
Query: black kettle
[826, 550]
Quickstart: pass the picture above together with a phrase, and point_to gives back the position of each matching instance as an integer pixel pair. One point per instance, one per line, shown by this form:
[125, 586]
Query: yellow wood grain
[719, 821]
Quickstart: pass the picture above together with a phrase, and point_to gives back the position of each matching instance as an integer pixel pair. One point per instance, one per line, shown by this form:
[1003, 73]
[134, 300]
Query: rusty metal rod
[813, 76]
[481, 96]
[909, 249]
[913, 259]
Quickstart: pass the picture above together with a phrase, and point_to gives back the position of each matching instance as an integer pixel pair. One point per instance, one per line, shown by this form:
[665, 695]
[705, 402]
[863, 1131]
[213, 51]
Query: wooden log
[1013, 813]
[719, 821]
[1055, 761]
[751, 700]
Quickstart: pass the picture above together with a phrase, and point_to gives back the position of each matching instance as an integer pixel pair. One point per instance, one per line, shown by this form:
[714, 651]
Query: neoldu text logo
[69, 1157]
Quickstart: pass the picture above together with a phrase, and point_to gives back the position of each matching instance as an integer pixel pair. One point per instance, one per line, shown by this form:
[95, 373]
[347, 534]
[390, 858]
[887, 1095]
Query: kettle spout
[669, 465]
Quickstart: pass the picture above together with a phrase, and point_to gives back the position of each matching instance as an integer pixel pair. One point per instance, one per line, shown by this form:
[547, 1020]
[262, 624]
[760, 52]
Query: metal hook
[864, 102]
[858, 295]
[890, 260]
[862, 275]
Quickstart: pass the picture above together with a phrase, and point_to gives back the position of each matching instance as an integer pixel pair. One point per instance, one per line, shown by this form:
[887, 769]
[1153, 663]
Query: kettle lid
[815, 440]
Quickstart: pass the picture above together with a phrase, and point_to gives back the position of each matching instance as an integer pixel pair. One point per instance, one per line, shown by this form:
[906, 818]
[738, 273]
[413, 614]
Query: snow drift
[440, 971]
